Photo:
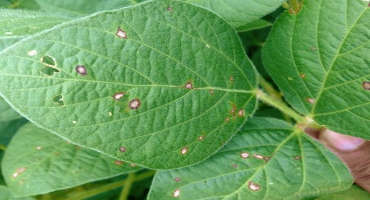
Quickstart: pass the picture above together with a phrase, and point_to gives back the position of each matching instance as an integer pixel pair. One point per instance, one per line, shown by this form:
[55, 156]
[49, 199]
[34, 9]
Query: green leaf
[6, 195]
[37, 162]
[6, 112]
[320, 60]
[17, 24]
[258, 24]
[8, 129]
[268, 159]
[354, 193]
[159, 87]
[239, 12]
[83, 7]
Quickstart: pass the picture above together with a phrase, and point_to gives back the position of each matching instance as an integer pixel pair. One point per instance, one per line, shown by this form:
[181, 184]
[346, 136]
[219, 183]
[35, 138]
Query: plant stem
[127, 186]
[101, 189]
[279, 105]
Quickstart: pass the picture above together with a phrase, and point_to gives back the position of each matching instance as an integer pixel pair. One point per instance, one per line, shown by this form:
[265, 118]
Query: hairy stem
[127, 186]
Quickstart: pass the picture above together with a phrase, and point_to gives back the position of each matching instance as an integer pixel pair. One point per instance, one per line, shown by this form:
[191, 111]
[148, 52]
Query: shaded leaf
[258, 24]
[268, 159]
[140, 84]
[6, 112]
[239, 12]
[17, 24]
[37, 162]
[8, 129]
[320, 60]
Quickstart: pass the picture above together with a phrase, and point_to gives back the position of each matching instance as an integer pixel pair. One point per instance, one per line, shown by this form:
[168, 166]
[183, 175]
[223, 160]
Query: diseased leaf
[164, 84]
[320, 60]
[258, 24]
[6, 195]
[17, 24]
[268, 159]
[83, 7]
[6, 112]
[239, 12]
[354, 193]
[37, 162]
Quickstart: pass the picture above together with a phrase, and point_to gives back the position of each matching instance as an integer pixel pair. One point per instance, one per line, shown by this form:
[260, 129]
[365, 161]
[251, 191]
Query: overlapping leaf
[83, 7]
[269, 159]
[320, 60]
[37, 162]
[6, 112]
[9, 128]
[354, 193]
[17, 24]
[239, 12]
[164, 84]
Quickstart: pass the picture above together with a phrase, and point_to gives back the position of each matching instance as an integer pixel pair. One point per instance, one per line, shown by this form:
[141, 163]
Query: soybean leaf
[83, 7]
[5, 194]
[25, 4]
[164, 84]
[239, 12]
[6, 112]
[37, 162]
[17, 24]
[9, 128]
[320, 60]
[354, 193]
[258, 24]
[268, 159]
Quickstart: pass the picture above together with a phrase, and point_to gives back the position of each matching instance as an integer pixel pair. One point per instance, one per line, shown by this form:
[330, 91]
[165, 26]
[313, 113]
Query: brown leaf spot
[184, 150]
[18, 172]
[253, 186]
[134, 104]
[177, 179]
[189, 85]
[121, 34]
[241, 113]
[122, 149]
[310, 100]
[260, 157]
[118, 95]
[366, 85]
[81, 69]
[244, 155]
[118, 162]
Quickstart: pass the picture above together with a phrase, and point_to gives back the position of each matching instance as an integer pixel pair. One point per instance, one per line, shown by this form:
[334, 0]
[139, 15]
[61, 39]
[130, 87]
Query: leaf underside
[279, 163]
[320, 60]
[37, 162]
[164, 84]
[239, 12]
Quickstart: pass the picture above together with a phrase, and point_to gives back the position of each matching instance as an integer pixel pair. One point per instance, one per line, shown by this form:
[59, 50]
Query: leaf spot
[58, 100]
[211, 92]
[253, 186]
[50, 65]
[241, 113]
[134, 104]
[303, 75]
[81, 69]
[244, 155]
[122, 149]
[366, 85]
[133, 165]
[170, 9]
[18, 172]
[189, 85]
[118, 162]
[110, 114]
[184, 150]
[201, 138]
[177, 179]
[297, 157]
[118, 95]
[74, 122]
[227, 119]
[38, 147]
[121, 34]
[32, 53]
[176, 193]
[260, 157]
[310, 100]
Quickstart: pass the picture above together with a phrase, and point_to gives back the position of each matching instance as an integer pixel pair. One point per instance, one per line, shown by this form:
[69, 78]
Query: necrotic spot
[121, 34]
[81, 69]
[58, 100]
[134, 104]
[366, 85]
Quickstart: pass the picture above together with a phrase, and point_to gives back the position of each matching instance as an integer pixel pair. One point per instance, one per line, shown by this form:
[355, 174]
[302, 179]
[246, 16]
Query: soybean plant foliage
[99, 96]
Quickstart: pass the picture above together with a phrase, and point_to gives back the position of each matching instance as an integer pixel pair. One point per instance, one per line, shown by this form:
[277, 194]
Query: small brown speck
[176, 193]
[177, 179]
[244, 155]
[297, 157]
[201, 138]
[170, 9]
[253, 186]
[189, 85]
[121, 34]
[231, 78]
[18, 172]
[134, 104]
[118, 162]
[303, 75]
[310, 100]
[227, 119]
[211, 92]
[122, 149]
[241, 113]
[133, 165]
[81, 69]
[366, 85]
[184, 150]
[118, 95]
